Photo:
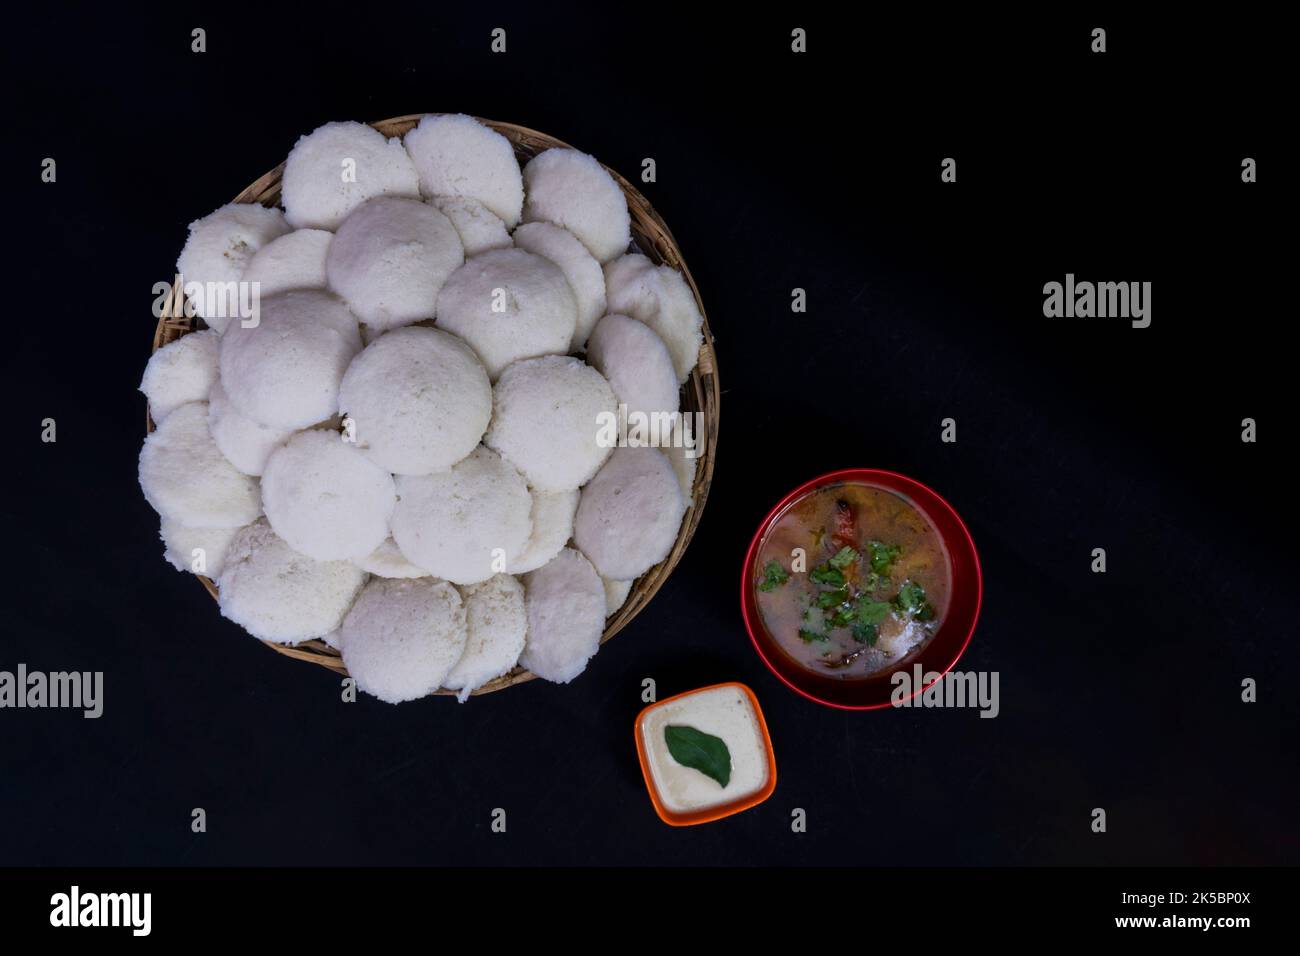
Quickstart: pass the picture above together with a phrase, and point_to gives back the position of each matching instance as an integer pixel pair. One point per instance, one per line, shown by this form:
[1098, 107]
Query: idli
[419, 400]
[387, 561]
[294, 261]
[585, 277]
[336, 168]
[616, 593]
[245, 443]
[552, 516]
[466, 524]
[573, 190]
[661, 298]
[186, 478]
[479, 228]
[456, 155]
[277, 594]
[402, 638]
[325, 498]
[509, 304]
[181, 371]
[217, 251]
[629, 514]
[565, 603]
[684, 467]
[637, 365]
[285, 371]
[390, 258]
[496, 622]
[197, 550]
[550, 419]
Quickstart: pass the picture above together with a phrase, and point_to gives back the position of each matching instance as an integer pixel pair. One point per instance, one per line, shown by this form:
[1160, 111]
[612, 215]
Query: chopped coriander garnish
[911, 601]
[843, 558]
[773, 576]
[865, 633]
[810, 636]
[882, 556]
[871, 612]
[841, 617]
[831, 598]
[825, 574]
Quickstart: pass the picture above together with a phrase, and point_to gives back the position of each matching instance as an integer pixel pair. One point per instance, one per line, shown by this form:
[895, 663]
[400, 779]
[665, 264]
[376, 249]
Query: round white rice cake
[402, 638]
[337, 167]
[245, 443]
[285, 372]
[419, 400]
[294, 261]
[181, 371]
[509, 304]
[387, 561]
[479, 228]
[217, 252]
[390, 258]
[466, 524]
[629, 514]
[277, 594]
[585, 277]
[183, 547]
[684, 467]
[639, 369]
[497, 622]
[616, 593]
[550, 418]
[325, 498]
[573, 190]
[456, 155]
[661, 298]
[186, 479]
[552, 516]
[565, 602]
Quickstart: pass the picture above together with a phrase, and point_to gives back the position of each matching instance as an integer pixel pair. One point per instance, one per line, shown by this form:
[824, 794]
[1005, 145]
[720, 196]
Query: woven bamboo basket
[700, 393]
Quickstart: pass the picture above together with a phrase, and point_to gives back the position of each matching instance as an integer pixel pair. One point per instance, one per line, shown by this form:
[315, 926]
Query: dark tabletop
[775, 171]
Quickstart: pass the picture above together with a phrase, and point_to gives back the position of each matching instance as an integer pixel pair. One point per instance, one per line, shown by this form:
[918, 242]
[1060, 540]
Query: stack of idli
[400, 432]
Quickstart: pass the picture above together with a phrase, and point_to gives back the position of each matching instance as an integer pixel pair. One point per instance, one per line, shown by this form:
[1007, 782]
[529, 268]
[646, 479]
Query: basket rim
[702, 384]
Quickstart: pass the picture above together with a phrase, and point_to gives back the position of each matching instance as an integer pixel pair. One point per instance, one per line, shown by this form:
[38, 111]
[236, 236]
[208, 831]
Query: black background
[775, 171]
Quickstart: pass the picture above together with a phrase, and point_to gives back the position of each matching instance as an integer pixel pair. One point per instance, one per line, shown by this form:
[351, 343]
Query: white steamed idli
[479, 228]
[245, 443]
[550, 419]
[552, 516]
[386, 561]
[466, 524]
[184, 548]
[573, 190]
[280, 595]
[585, 277]
[285, 372]
[683, 466]
[509, 304]
[336, 168]
[661, 298]
[186, 478]
[217, 251]
[294, 261]
[390, 258]
[181, 371]
[325, 498]
[496, 620]
[419, 400]
[565, 602]
[629, 514]
[616, 593]
[402, 638]
[458, 156]
[638, 367]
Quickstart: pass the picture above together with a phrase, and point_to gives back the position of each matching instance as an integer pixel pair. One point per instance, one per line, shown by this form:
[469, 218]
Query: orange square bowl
[708, 814]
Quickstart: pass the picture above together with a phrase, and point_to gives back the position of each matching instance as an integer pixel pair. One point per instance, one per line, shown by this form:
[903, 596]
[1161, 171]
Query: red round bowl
[936, 656]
